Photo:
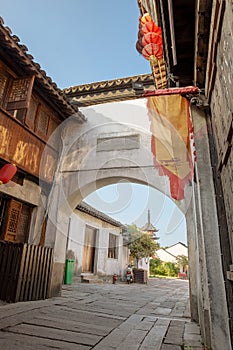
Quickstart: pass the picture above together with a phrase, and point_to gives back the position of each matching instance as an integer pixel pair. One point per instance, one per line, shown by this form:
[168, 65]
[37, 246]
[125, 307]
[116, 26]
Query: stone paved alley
[104, 317]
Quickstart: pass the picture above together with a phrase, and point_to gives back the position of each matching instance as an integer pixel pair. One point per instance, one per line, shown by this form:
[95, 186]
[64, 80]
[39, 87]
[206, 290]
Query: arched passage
[113, 145]
[108, 148]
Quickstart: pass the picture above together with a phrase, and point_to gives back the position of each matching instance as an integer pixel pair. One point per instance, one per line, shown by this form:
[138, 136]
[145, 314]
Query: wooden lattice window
[31, 114]
[52, 126]
[20, 93]
[24, 224]
[112, 247]
[14, 212]
[3, 85]
[42, 122]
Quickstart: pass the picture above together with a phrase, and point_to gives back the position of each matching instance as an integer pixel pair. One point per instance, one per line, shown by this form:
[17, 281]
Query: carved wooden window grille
[42, 123]
[14, 212]
[3, 85]
[16, 219]
[20, 93]
[31, 114]
[24, 224]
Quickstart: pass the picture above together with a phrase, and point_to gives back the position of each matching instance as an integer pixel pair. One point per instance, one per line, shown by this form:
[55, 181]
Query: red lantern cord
[7, 172]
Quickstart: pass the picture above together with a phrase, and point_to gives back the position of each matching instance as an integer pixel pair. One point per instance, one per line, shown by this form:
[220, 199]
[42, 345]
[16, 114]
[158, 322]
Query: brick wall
[221, 104]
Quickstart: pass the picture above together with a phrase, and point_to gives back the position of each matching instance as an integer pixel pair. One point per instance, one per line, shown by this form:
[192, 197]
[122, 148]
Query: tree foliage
[182, 261]
[140, 244]
[158, 267]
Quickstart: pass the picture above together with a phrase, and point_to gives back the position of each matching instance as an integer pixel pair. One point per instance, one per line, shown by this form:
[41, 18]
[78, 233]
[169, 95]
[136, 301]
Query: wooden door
[89, 250]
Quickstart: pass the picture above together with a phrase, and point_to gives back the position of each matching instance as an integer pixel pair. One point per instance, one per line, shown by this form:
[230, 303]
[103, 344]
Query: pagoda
[149, 228]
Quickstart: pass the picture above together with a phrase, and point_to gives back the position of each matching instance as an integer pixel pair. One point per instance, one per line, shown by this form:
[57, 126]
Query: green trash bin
[69, 271]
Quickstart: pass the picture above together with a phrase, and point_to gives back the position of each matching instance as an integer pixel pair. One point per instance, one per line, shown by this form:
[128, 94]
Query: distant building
[97, 243]
[172, 253]
[165, 256]
[178, 249]
[149, 228]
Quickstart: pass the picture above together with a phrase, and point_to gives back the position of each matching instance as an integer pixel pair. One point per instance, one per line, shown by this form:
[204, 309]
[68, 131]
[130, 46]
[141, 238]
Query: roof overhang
[185, 26]
[16, 56]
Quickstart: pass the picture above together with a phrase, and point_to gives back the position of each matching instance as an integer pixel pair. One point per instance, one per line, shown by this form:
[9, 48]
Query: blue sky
[78, 42]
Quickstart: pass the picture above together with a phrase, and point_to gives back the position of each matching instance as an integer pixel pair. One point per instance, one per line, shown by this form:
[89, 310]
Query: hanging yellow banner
[171, 127]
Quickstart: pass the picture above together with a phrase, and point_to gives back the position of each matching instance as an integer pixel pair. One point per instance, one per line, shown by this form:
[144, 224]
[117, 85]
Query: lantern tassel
[157, 72]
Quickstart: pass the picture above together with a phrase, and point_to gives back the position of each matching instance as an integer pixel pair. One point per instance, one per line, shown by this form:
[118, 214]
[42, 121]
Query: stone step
[93, 281]
[91, 278]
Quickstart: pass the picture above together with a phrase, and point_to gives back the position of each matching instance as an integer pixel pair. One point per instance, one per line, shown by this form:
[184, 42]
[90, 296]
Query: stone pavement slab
[103, 317]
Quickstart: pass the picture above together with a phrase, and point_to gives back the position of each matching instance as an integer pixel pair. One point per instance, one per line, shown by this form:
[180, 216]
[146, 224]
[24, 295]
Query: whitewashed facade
[97, 243]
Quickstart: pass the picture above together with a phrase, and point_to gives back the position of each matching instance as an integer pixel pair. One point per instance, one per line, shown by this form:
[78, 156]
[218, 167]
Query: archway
[107, 148]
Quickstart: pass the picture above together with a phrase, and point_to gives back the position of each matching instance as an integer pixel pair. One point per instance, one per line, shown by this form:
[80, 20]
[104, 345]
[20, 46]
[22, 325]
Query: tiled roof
[164, 250]
[86, 208]
[149, 227]
[109, 84]
[110, 90]
[178, 244]
[18, 53]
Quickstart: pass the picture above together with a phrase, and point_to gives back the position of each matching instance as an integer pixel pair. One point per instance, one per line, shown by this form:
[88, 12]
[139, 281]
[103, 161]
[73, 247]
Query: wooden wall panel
[19, 145]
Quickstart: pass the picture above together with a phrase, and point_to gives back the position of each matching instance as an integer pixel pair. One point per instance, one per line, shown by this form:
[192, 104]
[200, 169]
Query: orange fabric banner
[170, 144]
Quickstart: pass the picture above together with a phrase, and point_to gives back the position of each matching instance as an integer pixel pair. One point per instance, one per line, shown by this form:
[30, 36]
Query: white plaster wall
[103, 265]
[164, 256]
[144, 264]
[178, 249]
[76, 239]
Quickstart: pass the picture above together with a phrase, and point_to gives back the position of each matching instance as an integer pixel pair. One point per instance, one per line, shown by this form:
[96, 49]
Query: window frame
[113, 250]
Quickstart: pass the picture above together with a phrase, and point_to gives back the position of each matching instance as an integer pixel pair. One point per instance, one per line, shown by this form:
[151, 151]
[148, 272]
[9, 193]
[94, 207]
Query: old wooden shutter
[31, 114]
[20, 93]
[24, 224]
[43, 230]
[42, 122]
[3, 84]
[14, 212]
[3, 214]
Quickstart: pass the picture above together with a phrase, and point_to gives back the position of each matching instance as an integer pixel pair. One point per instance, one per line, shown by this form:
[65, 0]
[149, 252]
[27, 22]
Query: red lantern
[152, 50]
[139, 46]
[152, 38]
[145, 18]
[7, 172]
[151, 27]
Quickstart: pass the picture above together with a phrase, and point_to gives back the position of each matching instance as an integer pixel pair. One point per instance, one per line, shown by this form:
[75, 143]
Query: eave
[16, 56]
[110, 90]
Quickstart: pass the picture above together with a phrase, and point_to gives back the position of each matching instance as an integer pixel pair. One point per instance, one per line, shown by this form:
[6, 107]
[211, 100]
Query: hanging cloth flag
[171, 128]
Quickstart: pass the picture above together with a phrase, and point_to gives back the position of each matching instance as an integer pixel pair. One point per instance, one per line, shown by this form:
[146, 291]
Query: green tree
[158, 267]
[133, 233]
[140, 245]
[182, 261]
